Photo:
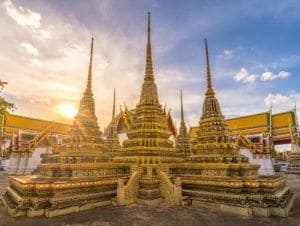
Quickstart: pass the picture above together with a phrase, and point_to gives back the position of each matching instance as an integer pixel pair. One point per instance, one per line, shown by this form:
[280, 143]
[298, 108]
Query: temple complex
[85, 171]
[25, 139]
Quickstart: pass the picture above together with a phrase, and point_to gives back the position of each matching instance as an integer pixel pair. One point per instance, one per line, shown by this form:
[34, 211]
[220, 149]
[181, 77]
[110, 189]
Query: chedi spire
[149, 90]
[85, 122]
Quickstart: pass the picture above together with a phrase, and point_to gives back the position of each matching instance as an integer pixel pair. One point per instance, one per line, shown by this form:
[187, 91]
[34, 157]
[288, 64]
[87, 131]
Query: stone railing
[131, 188]
[167, 189]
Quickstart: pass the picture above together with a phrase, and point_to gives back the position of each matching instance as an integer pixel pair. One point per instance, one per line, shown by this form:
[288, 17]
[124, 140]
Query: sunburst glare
[67, 110]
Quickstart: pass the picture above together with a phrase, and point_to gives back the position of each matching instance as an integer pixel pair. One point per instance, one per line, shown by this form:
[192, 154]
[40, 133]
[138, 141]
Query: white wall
[35, 158]
[264, 160]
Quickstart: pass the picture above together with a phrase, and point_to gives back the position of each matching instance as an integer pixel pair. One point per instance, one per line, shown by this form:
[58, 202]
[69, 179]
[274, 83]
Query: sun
[67, 110]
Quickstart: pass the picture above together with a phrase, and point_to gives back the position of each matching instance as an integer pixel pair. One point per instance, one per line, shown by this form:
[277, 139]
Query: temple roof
[15, 122]
[253, 123]
[123, 121]
[283, 125]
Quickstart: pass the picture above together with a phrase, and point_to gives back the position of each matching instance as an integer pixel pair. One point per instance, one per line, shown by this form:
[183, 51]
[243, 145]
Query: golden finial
[208, 73]
[181, 106]
[89, 82]
[114, 105]
[149, 25]
[149, 66]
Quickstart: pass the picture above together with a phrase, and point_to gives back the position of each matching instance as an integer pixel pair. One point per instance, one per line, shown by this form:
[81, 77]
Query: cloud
[36, 62]
[283, 102]
[55, 68]
[27, 19]
[276, 99]
[23, 16]
[268, 75]
[244, 76]
[30, 49]
[227, 54]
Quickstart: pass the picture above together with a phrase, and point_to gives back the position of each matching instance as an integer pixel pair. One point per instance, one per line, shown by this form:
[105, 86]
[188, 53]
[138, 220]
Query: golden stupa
[87, 171]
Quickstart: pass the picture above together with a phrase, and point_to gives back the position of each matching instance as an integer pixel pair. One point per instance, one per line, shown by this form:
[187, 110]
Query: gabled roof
[260, 120]
[283, 125]
[14, 122]
[123, 120]
[283, 119]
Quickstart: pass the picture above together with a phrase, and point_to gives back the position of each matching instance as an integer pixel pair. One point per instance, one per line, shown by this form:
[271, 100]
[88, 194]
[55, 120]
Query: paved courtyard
[141, 215]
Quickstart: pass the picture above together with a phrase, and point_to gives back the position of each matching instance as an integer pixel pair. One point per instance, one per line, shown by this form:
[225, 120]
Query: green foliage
[5, 106]
[298, 141]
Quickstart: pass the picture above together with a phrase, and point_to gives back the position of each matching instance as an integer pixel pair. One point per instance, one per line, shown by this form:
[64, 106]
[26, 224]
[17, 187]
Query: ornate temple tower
[112, 140]
[148, 146]
[85, 134]
[183, 143]
[85, 123]
[149, 133]
[212, 133]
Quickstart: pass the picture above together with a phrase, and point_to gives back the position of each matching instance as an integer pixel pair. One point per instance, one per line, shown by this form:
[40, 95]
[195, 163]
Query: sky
[254, 54]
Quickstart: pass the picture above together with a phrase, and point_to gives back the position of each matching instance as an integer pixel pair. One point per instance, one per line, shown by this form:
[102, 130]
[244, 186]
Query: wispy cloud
[23, 16]
[245, 77]
[282, 101]
[268, 75]
[30, 49]
[27, 19]
[276, 99]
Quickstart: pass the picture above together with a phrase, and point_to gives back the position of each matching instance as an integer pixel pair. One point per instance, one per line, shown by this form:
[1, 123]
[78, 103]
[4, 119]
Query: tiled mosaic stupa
[86, 173]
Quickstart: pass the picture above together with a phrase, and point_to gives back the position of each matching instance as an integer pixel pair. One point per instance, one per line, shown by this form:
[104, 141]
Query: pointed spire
[149, 66]
[182, 116]
[208, 73]
[114, 105]
[85, 122]
[89, 81]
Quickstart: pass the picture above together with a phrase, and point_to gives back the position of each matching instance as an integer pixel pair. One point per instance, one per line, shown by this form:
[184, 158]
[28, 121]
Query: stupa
[217, 176]
[148, 145]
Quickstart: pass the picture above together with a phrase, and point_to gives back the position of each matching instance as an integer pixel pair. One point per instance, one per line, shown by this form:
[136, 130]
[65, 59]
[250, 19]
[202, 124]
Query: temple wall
[295, 148]
[13, 163]
[24, 163]
[35, 159]
[4, 164]
[264, 160]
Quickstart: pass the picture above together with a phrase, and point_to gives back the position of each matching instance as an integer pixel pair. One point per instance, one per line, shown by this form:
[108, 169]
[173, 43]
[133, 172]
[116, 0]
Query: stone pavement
[136, 215]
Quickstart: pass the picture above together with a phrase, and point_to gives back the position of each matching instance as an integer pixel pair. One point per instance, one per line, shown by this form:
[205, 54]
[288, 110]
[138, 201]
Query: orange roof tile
[21, 122]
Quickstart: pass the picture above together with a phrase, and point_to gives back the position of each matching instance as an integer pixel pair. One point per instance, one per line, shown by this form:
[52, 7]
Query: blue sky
[254, 53]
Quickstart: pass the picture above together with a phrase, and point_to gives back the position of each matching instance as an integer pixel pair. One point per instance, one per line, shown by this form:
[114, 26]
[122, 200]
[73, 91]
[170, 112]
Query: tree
[5, 106]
